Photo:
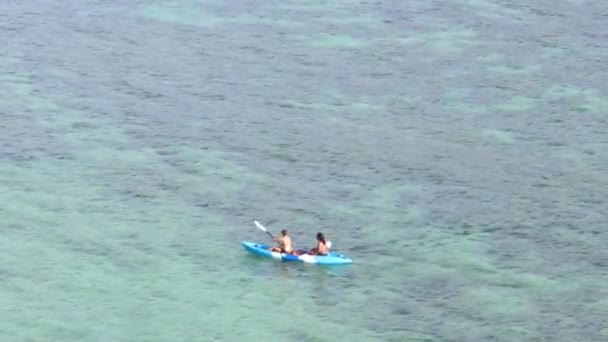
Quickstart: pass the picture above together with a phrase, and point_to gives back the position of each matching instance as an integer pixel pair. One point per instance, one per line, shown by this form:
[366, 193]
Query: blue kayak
[333, 258]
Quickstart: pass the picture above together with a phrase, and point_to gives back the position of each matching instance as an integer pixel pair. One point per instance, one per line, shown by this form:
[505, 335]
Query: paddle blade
[260, 226]
[328, 244]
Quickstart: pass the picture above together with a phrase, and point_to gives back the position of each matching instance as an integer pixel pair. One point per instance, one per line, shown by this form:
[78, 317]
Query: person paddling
[285, 243]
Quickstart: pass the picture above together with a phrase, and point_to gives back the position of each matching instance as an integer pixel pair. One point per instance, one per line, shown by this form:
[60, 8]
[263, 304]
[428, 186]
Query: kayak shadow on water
[262, 266]
[325, 285]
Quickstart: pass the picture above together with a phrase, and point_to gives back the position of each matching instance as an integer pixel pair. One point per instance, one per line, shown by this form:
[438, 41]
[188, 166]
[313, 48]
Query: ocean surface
[457, 151]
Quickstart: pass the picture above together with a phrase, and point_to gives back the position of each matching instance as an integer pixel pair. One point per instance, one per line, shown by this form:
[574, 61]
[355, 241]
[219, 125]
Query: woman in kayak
[284, 241]
[319, 249]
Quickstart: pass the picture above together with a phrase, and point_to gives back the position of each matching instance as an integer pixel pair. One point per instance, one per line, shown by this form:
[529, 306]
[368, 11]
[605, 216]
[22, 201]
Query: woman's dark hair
[320, 237]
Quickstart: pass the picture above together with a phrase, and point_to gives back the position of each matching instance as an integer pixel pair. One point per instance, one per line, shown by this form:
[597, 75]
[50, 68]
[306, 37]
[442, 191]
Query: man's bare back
[285, 242]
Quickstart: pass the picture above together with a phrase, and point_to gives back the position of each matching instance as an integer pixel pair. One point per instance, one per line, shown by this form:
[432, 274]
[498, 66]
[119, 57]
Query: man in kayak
[284, 241]
[319, 249]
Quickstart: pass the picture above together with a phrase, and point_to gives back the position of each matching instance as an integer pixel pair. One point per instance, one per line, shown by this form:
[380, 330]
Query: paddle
[259, 225]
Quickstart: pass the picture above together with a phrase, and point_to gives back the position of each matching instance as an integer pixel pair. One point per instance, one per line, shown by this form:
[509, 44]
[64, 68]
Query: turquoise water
[456, 151]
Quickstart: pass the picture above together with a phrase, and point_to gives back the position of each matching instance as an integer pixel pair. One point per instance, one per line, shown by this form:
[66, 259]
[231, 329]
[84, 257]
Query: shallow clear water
[456, 151]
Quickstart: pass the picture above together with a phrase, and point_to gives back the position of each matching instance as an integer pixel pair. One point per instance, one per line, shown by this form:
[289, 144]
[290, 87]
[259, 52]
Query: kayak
[333, 258]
